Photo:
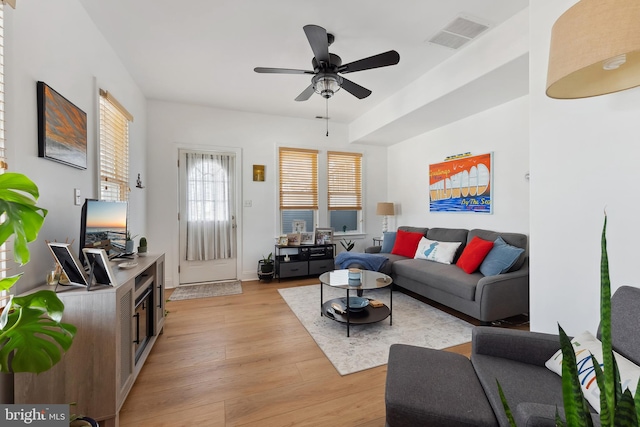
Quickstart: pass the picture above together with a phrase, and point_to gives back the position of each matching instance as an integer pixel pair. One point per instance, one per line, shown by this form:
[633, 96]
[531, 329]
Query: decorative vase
[128, 246]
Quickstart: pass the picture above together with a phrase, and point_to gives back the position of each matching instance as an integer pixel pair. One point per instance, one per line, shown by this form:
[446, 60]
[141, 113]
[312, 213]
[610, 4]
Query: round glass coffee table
[355, 315]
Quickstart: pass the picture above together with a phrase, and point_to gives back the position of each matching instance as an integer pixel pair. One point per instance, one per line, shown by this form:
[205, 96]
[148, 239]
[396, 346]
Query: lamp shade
[595, 49]
[385, 208]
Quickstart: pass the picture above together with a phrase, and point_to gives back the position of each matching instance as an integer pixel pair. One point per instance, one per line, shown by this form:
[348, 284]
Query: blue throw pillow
[389, 239]
[500, 259]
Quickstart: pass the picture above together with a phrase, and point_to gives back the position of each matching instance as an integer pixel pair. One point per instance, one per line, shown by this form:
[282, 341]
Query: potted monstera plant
[32, 335]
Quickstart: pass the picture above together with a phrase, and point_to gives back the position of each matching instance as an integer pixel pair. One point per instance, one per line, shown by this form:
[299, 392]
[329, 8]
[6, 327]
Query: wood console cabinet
[304, 260]
[109, 348]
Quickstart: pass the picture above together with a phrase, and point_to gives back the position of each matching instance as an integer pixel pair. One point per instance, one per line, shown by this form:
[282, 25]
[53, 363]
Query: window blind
[114, 149]
[344, 181]
[298, 178]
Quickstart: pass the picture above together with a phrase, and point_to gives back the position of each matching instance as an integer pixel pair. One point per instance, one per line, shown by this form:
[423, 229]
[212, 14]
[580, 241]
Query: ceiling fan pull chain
[326, 115]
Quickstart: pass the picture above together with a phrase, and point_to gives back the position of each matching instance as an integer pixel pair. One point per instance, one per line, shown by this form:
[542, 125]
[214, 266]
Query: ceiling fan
[326, 81]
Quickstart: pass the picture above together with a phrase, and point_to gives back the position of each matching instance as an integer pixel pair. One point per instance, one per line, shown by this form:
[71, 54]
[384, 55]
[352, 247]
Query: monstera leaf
[33, 333]
[18, 195]
[32, 337]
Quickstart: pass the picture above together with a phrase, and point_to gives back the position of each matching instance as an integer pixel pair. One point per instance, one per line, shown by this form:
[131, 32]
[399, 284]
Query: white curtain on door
[210, 183]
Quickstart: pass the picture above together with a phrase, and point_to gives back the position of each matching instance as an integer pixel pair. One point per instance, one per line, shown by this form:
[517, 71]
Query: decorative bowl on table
[355, 303]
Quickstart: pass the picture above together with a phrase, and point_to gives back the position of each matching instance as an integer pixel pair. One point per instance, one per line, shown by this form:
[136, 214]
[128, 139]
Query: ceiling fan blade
[319, 42]
[355, 89]
[381, 60]
[281, 71]
[306, 94]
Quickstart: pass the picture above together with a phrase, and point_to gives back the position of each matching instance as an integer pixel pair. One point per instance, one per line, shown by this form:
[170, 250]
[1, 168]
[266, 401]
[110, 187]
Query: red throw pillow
[406, 243]
[473, 254]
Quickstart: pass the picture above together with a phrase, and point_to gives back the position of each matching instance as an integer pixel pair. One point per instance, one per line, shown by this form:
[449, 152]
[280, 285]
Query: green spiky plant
[618, 408]
[32, 337]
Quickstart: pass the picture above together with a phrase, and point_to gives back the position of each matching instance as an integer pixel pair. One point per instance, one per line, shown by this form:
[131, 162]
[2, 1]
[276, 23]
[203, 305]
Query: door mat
[414, 323]
[206, 290]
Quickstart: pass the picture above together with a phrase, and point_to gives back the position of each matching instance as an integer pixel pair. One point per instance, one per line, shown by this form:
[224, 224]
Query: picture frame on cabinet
[299, 225]
[324, 236]
[293, 239]
[307, 238]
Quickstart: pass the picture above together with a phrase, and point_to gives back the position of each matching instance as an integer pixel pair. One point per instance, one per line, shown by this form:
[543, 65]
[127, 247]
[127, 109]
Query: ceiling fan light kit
[326, 84]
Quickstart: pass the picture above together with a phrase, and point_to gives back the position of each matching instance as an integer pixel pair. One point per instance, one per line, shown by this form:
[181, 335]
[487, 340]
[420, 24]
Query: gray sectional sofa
[486, 298]
[427, 387]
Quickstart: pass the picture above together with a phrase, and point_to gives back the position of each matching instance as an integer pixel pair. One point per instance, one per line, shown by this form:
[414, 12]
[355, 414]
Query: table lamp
[385, 209]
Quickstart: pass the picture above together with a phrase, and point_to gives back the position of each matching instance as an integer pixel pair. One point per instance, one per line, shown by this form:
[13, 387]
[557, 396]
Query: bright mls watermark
[34, 415]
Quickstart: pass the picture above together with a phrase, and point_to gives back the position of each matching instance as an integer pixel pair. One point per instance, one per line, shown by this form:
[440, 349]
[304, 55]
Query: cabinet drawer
[292, 269]
[321, 266]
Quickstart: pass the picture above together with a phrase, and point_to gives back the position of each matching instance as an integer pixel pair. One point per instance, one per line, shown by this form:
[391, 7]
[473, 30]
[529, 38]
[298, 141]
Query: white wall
[173, 126]
[503, 130]
[584, 159]
[56, 42]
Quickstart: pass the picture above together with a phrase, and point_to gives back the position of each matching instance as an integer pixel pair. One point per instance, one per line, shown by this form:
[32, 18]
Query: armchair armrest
[373, 249]
[534, 348]
[541, 415]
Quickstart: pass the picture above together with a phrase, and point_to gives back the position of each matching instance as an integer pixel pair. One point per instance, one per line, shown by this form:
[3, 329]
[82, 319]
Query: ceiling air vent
[458, 33]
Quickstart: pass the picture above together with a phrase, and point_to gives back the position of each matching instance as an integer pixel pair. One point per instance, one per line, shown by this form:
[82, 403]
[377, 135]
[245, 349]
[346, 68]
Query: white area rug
[205, 290]
[414, 322]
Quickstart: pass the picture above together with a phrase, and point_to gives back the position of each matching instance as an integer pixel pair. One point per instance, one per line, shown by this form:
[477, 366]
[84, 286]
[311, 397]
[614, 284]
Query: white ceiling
[204, 51]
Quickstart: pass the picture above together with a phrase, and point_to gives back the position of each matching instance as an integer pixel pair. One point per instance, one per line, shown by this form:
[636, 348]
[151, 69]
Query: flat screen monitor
[103, 226]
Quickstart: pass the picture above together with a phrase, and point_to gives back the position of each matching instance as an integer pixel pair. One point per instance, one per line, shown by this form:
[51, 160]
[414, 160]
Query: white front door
[208, 237]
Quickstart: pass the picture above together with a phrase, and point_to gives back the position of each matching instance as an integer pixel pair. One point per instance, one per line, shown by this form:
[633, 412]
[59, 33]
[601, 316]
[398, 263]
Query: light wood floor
[245, 360]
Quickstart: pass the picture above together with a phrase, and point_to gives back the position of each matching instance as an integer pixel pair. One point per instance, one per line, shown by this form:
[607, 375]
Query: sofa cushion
[445, 277]
[421, 230]
[442, 252]
[427, 387]
[518, 240]
[388, 240]
[406, 243]
[585, 345]
[449, 235]
[500, 259]
[473, 254]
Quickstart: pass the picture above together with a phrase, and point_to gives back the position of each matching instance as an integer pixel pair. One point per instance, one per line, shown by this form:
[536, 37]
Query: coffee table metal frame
[369, 280]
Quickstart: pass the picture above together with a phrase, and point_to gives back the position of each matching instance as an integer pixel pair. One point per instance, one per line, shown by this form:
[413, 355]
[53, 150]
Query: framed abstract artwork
[62, 129]
[462, 185]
